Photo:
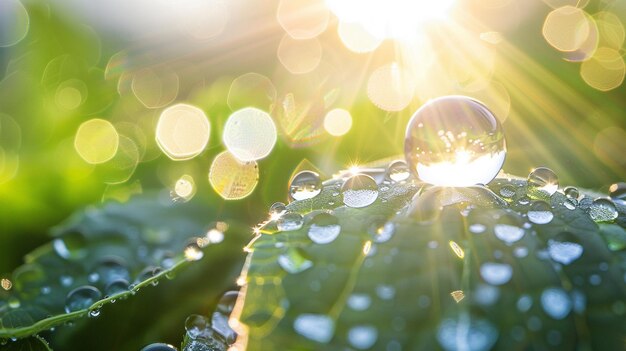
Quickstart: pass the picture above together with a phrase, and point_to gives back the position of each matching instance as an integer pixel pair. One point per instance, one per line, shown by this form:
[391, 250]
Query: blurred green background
[552, 117]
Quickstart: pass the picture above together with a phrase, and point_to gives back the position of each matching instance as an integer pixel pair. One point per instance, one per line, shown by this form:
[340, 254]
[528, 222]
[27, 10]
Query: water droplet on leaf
[193, 252]
[466, 334]
[81, 298]
[362, 337]
[496, 273]
[277, 210]
[359, 302]
[290, 221]
[293, 261]
[70, 246]
[617, 192]
[571, 193]
[324, 228]
[198, 327]
[603, 210]
[305, 185]
[542, 181]
[159, 347]
[564, 252]
[316, 327]
[454, 141]
[398, 171]
[360, 190]
[556, 303]
[540, 213]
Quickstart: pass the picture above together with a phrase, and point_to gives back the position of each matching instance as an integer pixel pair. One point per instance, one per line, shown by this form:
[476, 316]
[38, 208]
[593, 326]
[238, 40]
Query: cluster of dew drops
[111, 278]
[359, 189]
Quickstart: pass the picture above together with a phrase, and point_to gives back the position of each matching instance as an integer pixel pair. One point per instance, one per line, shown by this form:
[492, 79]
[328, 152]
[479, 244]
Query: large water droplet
[564, 252]
[556, 303]
[362, 337]
[305, 185]
[324, 228]
[159, 347]
[70, 246]
[617, 192]
[496, 273]
[290, 221]
[398, 171]
[540, 213]
[542, 180]
[466, 334]
[454, 141]
[198, 327]
[316, 327]
[293, 261]
[81, 298]
[603, 210]
[360, 190]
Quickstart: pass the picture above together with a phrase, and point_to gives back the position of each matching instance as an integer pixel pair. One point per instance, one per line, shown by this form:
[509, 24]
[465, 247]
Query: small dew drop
[324, 228]
[496, 273]
[617, 192]
[293, 261]
[382, 233]
[360, 190]
[508, 233]
[71, 246]
[398, 171]
[603, 210]
[556, 303]
[159, 347]
[571, 192]
[385, 292]
[198, 327]
[193, 252]
[564, 252]
[507, 191]
[290, 221]
[359, 302]
[540, 213]
[316, 327]
[477, 228]
[542, 180]
[305, 185]
[362, 337]
[524, 303]
[81, 298]
[466, 334]
[277, 210]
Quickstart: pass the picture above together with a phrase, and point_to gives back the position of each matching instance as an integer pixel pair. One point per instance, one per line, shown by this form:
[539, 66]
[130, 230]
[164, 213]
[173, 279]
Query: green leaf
[432, 268]
[33, 343]
[104, 254]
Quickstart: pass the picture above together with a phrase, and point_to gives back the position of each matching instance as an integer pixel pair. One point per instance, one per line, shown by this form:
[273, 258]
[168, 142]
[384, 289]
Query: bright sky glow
[396, 19]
